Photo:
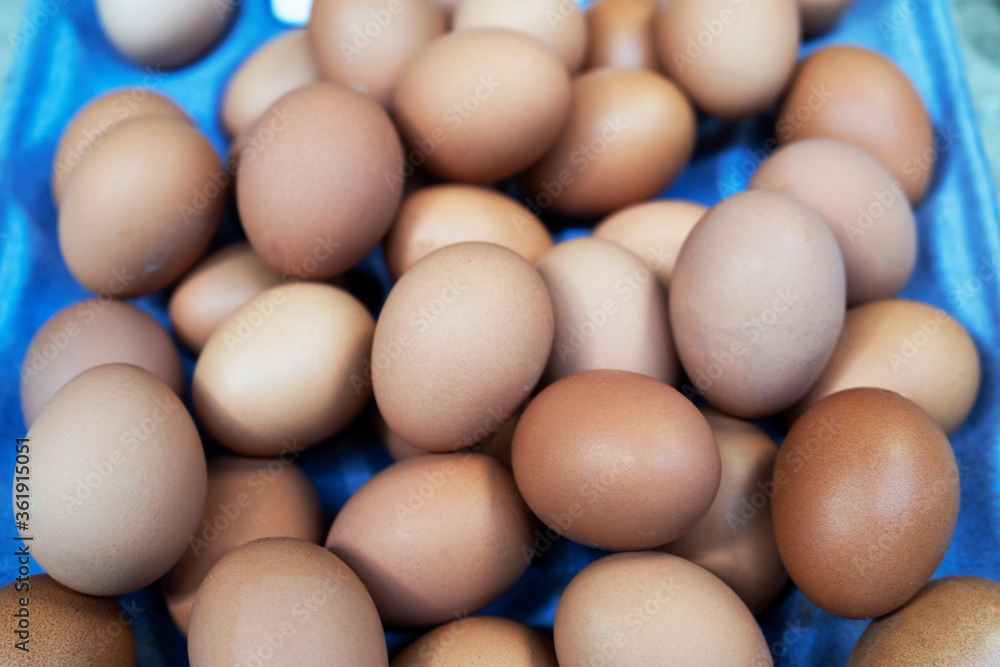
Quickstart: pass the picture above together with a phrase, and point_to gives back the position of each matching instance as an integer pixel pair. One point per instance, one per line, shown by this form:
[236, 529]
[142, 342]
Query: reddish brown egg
[621, 34]
[479, 640]
[818, 16]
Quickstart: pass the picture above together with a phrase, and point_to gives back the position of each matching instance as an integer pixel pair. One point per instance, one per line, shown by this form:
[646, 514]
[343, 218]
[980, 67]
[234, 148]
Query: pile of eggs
[599, 389]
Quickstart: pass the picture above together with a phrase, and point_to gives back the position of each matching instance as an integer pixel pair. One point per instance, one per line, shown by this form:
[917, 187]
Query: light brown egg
[735, 539]
[771, 270]
[862, 98]
[865, 502]
[278, 67]
[951, 621]
[628, 136]
[610, 312]
[118, 481]
[59, 626]
[818, 16]
[479, 640]
[214, 289]
[142, 208]
[733, 58]
[461, 342]
[615, 460]
[653, 231]
[314, 190]
[441, 215]
[496, 443]
[559, 24]
[88, 334]
[480, 105]
[96, 120]
[621, 34]
[652, 608]
[435, 537]
[907, 347]
[304, 607]
[865, 208]
[247, 499]
[285, 371]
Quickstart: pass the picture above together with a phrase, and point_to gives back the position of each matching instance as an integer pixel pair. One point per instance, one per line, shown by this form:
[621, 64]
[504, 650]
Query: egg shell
[481, 104]
[628, 136]
[118, 481]
[621, 34]
[772, 272]
[461, 342]
[862, 98]
[615, 460]
[435, 537]
[304, 607]
[865, 503]
[496, 444]
[819, 16]
[652, 608]
[479, 640]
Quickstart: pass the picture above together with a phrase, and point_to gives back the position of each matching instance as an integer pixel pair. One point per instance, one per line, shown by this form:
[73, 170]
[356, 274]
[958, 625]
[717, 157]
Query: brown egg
[860, 97]
[907, 347]
[314, 190]
[461, 342]
[96, 120]
[142, 208]
[496, 443]
[285, 371]
[629, 134]
[610, 312]
[49, 625]
[435, 537]
[615, 460]
[652, 608]
[772, 272]
[304, 607]
[653, 231]
[621, 34]
[278, 67]
[247, 499]
[480, 105]
[217, 286]
[437, 216]
[118, 481]
[479, 640]
[733, 58]
[735, 539]
[865, 501]
[818, 16]
[865, 208]
[558, 24]
[951, 621]
[88, 334]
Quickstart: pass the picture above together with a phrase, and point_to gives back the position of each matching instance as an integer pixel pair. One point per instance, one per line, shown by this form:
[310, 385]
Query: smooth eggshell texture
[621, 34]
[865, 503]
[435, 537]
[497, 442]
[652, 608]
[461, 342]
[818, 16]
[290, 600]
[118, 481]
[615, 460]
[772, 272]
[479, 640]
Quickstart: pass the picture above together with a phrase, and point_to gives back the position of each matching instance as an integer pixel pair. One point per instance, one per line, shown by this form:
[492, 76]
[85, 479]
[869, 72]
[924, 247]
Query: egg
[621, 34]
[441, 215]
[87, 334]
[461, 342]
[496, 443]
[771, 270]
[818, 16]
[285, 371]
[866, 494]
[615, 460]
[628, 136]
[118, 481]
[479, 640]
[735, 539]
[652, 608]
[435, 538]
[479, 105]
[304, 607]
[732, 57]
[908, 347]
[862, 98]
[610, 312]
